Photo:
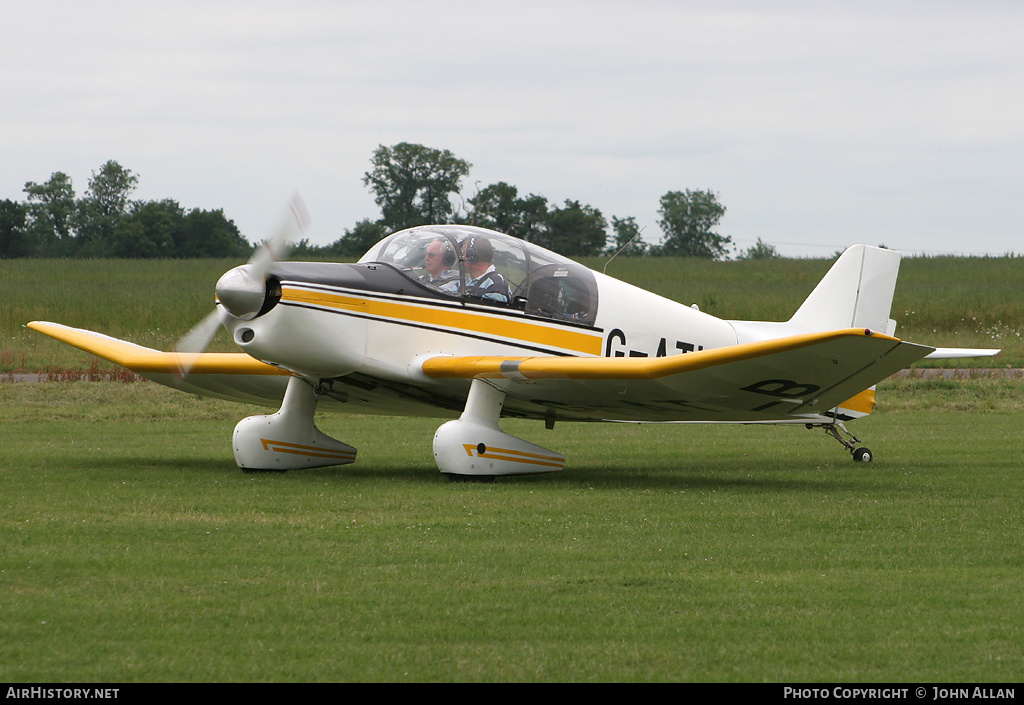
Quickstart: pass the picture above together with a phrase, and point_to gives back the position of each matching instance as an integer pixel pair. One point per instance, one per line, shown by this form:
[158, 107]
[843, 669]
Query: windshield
[428, 257]
[483, 266]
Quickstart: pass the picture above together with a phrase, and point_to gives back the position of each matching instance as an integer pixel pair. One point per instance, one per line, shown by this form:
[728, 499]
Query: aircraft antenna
[638, 234]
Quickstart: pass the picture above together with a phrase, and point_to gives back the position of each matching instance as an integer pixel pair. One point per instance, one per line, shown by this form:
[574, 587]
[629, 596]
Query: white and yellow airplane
[474, 325]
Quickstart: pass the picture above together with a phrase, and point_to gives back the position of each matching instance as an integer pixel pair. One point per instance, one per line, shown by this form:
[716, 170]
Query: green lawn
[133, 549]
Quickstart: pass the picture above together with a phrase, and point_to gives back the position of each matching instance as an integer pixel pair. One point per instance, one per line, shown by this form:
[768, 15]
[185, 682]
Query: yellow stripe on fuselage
[481, 322]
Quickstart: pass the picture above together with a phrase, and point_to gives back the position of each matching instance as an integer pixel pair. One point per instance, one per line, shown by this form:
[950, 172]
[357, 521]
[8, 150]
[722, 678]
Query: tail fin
[855, 293]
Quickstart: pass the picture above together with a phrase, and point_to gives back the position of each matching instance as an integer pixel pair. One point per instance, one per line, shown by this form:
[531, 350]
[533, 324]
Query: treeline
[417, 185]
[106, 222]
[412, 185]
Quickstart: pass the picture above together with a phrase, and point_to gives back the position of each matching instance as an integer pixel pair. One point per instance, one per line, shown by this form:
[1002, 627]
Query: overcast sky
[818, 124]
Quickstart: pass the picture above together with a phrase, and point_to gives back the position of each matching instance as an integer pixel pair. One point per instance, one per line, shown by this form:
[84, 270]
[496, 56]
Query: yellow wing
[798, 378]
[234, 376]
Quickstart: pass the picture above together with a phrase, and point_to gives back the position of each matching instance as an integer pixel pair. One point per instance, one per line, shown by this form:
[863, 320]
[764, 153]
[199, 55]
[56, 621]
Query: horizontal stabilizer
[957, 353]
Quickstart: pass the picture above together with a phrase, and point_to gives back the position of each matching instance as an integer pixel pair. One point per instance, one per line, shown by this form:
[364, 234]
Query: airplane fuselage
[367, 327]
[334, 320]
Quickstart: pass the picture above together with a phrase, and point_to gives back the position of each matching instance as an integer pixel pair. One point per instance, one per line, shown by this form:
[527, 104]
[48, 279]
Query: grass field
[943, 301]
[134, 550]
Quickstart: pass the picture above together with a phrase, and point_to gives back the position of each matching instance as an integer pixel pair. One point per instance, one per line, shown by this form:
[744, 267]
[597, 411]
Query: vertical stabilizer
[855, 293]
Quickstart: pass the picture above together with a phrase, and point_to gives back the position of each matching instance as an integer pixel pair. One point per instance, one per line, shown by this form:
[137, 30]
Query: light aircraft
[471, 324]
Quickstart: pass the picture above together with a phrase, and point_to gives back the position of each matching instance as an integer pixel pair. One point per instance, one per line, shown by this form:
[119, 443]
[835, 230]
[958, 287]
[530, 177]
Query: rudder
[855, 293]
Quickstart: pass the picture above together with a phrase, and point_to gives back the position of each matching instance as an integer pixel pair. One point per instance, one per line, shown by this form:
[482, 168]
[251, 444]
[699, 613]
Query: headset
[448, 256]
[472, 255]
[478, 249]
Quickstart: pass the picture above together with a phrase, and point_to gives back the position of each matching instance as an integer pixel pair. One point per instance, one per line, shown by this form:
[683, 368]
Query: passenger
[483, 281]
[437, 260]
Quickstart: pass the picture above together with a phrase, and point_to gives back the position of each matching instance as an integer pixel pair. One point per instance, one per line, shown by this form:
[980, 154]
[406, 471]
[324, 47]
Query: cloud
[817, 123]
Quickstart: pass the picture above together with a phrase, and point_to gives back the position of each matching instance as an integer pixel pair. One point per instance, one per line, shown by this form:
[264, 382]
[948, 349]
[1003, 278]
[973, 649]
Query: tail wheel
[838, 431]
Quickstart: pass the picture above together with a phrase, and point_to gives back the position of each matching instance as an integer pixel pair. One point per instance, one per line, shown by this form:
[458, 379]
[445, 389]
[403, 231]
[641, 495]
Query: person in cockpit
[483, 281]
[437, 261]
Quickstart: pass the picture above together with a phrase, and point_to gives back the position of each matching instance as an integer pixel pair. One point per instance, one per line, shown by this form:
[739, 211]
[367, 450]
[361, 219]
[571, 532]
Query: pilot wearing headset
[483, 281]
[437, 263]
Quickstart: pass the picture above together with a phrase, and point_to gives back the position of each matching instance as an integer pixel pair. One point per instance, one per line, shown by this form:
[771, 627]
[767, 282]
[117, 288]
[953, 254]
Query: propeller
[241, 291]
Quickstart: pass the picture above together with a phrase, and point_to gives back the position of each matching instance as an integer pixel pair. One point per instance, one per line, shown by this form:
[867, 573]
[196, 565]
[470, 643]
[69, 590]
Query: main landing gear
[288, 440]
[849, 441]
[473, 448]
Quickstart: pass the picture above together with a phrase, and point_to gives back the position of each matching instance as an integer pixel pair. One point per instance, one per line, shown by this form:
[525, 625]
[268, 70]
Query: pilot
[437, 260]
[483, 281]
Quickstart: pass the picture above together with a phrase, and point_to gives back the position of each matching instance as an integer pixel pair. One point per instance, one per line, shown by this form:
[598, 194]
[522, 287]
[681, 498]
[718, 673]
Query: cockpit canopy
[484, 266]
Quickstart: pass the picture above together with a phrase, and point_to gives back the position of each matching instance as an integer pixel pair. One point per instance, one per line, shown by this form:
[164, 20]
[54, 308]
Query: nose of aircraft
[242, 291]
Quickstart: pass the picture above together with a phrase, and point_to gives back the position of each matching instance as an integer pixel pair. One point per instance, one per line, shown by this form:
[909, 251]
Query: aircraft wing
[233, 376]
[798, 378]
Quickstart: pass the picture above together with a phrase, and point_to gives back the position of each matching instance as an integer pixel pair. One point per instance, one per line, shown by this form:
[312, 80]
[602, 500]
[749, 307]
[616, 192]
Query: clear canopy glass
[487, 267]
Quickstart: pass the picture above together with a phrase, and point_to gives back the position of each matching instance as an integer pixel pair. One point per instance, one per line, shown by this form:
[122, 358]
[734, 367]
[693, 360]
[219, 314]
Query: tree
[413, 184]
[205, 233]
[51, 209]
[531, 218]
[354, 243]
[575, 230]
[496, 207]
[761, 250]
[687, 220]
[105, 222]
[14, 240]
[500, 208]
[98, 212]
[149, 230]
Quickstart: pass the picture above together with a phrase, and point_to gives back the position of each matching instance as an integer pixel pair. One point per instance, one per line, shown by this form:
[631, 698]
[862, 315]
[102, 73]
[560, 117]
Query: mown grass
[134, 550]
[150, 302]
[945, 301]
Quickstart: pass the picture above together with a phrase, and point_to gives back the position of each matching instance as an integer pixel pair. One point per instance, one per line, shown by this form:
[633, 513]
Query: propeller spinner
[242, 291]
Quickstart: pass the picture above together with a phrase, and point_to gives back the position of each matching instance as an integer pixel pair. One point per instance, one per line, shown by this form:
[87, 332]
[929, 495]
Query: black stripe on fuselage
[407, 324]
